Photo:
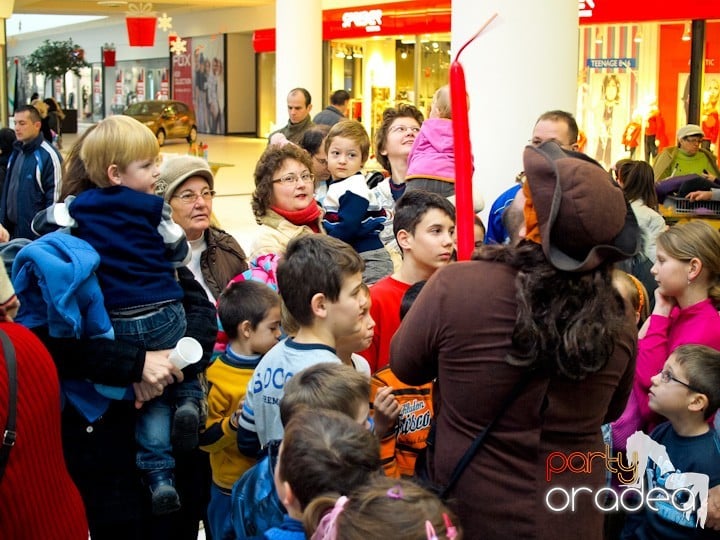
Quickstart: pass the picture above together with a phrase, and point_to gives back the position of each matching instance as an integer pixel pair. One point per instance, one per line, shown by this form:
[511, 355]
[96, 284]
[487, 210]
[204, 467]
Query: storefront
[633, 74]
[381, 54]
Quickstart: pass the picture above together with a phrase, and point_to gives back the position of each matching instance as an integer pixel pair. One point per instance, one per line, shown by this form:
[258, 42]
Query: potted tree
[54, 59]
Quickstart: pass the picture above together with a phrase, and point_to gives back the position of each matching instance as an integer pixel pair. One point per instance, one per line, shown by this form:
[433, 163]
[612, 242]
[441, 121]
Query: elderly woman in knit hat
[532, 343]
[186, 183]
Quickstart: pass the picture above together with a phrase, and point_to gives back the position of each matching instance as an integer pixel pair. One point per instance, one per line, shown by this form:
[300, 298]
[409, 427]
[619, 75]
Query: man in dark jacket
[33, 176]
[336, 111]
[299, 106]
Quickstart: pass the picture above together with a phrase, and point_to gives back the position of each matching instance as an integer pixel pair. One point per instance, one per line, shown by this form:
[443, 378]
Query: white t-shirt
[261, 409]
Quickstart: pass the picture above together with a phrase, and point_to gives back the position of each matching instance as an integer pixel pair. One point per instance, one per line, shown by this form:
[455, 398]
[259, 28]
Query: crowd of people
[354, 381]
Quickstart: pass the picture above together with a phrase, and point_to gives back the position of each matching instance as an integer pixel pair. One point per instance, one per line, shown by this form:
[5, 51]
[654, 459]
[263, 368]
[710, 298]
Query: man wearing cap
[687, 157]
[532, 341]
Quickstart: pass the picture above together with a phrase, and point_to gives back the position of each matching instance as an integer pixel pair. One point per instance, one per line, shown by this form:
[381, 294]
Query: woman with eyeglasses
[283, 201]
[186, 183]
[687, 271]
[688, 157]
[394, 139]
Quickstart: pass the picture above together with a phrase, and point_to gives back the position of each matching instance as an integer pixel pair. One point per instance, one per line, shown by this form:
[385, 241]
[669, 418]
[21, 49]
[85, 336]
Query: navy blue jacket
[39, 185]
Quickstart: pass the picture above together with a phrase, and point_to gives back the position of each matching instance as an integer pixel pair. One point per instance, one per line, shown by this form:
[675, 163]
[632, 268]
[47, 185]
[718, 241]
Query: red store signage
[617, 11]
[390, 19]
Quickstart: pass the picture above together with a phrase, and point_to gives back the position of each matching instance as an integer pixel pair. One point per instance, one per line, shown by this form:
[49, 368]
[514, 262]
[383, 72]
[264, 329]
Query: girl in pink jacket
[687, 271]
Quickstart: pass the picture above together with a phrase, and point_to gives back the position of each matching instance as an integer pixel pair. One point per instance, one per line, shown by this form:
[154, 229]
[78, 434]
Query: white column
[298, 59]
[522, 65]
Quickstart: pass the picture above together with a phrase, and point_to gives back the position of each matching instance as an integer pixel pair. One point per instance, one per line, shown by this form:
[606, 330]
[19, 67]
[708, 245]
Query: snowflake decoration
[165, 22]
[179, 46]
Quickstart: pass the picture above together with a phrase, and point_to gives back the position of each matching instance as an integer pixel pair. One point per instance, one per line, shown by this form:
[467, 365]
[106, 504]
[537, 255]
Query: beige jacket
[275, 233]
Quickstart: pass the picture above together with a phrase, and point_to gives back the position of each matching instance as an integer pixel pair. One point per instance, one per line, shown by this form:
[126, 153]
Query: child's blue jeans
[156, 330]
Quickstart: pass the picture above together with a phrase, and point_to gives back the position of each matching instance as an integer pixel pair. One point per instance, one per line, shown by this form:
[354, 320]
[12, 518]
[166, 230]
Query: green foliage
[55, 58]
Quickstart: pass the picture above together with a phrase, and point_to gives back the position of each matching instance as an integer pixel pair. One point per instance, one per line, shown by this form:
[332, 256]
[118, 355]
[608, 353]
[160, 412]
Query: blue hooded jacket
[54, 279]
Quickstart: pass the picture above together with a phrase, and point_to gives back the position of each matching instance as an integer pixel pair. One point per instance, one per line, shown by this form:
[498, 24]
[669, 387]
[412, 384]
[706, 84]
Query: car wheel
[192, 137]
[161, 137]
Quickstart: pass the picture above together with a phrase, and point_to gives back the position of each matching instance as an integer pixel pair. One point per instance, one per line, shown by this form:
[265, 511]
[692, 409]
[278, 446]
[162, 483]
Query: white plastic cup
[187, 351]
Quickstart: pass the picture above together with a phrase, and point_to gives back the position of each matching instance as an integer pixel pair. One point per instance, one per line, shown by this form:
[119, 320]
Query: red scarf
[308, 217]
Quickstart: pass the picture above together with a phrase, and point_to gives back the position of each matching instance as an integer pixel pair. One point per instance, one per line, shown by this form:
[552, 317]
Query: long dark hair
[567, 322]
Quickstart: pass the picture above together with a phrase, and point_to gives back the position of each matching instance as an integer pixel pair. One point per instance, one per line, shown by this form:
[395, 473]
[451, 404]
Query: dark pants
[101, 461]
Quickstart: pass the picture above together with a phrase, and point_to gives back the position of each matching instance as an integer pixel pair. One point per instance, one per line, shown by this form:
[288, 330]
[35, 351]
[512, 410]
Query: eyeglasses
[405, 129]
[666, 377]
[693, 140]
[189, 197]
[292, 177]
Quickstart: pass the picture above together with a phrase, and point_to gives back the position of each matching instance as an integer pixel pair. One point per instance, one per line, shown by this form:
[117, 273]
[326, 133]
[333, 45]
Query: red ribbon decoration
[464, 210]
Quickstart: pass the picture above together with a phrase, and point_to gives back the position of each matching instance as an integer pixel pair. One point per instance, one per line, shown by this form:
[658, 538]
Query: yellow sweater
[228, 377]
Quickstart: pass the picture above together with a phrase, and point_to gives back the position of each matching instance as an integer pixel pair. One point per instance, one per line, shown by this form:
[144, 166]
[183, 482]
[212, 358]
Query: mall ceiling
[118, 8]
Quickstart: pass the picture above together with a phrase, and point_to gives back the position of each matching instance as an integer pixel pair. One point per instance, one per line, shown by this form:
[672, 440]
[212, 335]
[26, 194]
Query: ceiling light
[686, 34]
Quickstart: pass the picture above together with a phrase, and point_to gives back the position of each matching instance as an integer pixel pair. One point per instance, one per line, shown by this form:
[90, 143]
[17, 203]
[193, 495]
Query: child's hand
[235, 417]
[663, 304]
[387, 410]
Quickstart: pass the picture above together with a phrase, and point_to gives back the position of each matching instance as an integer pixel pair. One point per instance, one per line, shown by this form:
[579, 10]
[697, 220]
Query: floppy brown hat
[583, 217]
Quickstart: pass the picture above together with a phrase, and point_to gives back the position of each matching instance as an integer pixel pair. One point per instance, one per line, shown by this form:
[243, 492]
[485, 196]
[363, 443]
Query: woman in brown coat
[544, 307]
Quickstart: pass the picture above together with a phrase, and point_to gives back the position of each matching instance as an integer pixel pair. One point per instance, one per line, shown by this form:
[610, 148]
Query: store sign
[611, 63]
[617, 11]
[586, 8]
[395, 18]
[371, 20]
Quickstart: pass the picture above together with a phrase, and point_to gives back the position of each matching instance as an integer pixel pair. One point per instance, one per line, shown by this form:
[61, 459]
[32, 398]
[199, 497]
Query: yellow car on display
[166, 119]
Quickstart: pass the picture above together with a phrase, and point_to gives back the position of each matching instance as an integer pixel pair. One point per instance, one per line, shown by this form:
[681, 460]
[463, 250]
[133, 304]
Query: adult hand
[713, 513]
[158, 372]
[699, 196]
[386, 410]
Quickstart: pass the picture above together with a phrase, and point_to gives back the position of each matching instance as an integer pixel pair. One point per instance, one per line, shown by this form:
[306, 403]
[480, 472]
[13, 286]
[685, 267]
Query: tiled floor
[234, 184]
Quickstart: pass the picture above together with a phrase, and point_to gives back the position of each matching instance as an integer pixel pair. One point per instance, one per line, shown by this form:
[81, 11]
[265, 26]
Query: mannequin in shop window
[610, 100]
[631, 135]
[710, 122]
[655, 138]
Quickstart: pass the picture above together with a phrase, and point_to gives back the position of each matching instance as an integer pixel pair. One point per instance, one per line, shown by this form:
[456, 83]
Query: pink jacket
[433, 152]
[698, 324]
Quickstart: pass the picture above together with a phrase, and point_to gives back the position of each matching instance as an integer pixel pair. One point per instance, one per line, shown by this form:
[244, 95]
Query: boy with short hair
[323, 452]
[352, 212]
[320, 281]
[348, 347]
[687, 393]
[249, 311]
[423, 224]
[331, 386]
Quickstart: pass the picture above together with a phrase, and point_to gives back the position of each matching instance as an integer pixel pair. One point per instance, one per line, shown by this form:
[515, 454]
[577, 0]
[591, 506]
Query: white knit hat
[176, 169]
